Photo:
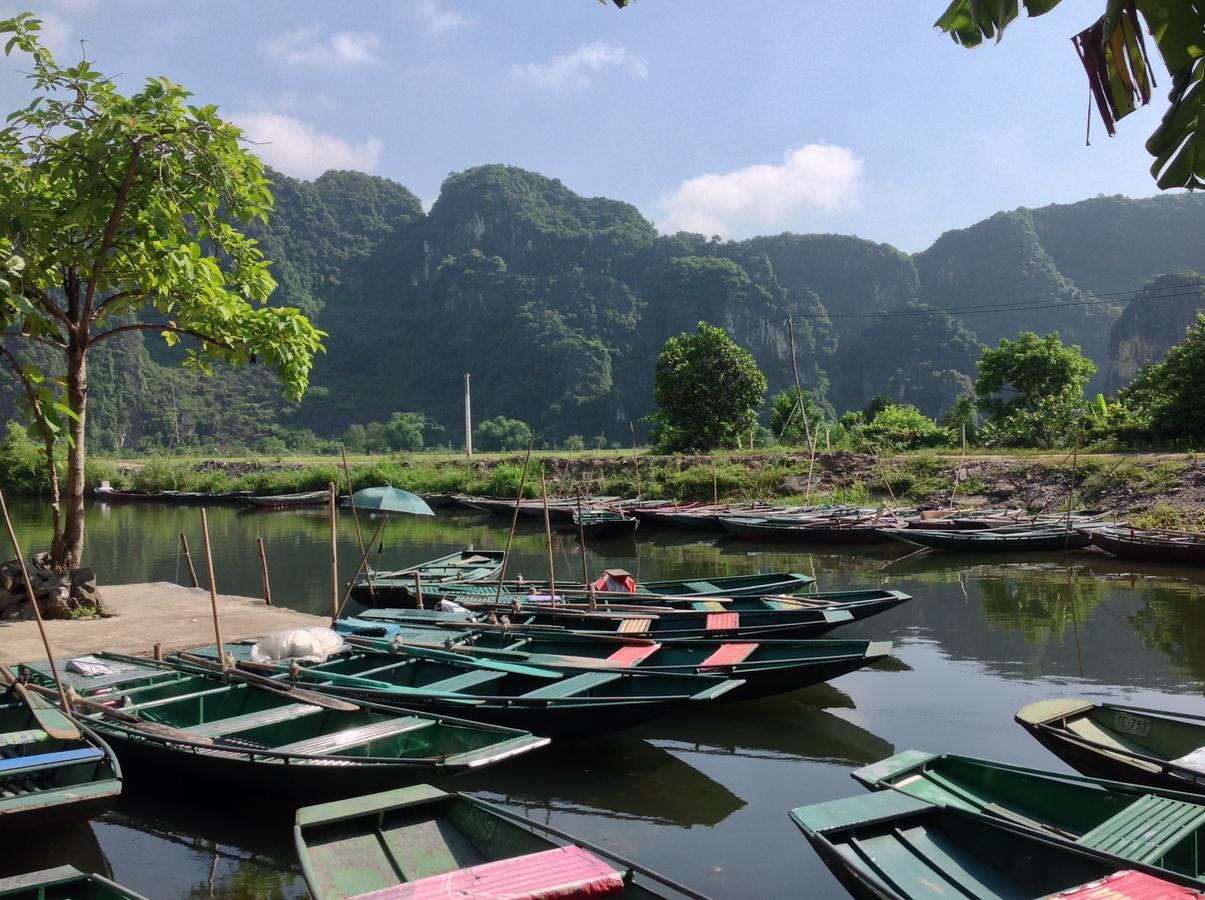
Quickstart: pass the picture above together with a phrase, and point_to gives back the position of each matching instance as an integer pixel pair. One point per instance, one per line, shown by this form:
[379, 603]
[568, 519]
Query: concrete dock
[148, 614]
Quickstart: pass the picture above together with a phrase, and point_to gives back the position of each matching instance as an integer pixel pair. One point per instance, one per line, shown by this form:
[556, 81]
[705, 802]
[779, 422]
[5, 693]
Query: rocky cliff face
[1157, 319]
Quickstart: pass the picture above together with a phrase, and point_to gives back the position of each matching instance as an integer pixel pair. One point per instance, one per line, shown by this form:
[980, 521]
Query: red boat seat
[728, 621]
[1128, 885]
[632, 654]
[562, 872]
[727, 655]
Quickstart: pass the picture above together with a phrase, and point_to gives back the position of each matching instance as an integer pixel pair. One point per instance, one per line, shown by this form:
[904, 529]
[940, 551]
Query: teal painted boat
[891, 845]
[422, 842]
[193, 727]
[1021, 540]
[1127, 743]
[767, 667]
[48, 781]
[398, 587]
[549, 702]
[63, 883]
[1145, 825]
[604, 524]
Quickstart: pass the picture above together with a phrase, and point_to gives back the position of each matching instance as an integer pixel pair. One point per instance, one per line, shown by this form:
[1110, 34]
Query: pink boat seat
[727, 655]
[728, 621]
[1128, 885]
[562, 872]
[632, 654]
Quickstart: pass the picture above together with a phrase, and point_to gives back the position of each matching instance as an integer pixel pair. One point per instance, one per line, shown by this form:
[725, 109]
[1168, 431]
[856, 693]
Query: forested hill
[558, 304]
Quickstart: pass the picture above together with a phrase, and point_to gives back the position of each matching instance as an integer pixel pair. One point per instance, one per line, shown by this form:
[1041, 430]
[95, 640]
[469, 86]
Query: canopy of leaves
[501, 433]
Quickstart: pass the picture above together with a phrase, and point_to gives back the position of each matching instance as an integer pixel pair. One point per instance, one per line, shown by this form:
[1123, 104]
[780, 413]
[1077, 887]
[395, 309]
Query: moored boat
[1180, 547]
[604, 524]
[424, 842]
[1022, 540]
[399, 587]
[63, 883]
[820, 531]
[288, 501]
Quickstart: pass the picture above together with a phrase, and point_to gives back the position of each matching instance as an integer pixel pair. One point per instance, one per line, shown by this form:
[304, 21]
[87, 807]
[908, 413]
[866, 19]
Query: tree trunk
[70, 550]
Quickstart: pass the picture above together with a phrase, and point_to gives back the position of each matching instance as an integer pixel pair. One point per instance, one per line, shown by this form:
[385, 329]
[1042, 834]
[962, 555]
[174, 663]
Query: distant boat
[1027, 540]
[1181, 547]
[604, 524]
[63, 883]
[397, 587]
[289, 501]
[422, 842]
[820, 531]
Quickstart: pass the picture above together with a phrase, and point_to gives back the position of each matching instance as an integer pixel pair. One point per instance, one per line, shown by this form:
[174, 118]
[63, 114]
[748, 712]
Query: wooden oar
[281, 687]
[55, 723]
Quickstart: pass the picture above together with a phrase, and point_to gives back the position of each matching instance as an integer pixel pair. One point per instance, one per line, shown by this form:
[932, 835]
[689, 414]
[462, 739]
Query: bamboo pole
[418, 589]
[37, 612]
[192, 572]
[334, 555]
[514, 522]
[263, 570]
[807, 426]
[548, 535]
[715, 484]
[635, 459]
[351, 498]
[363, 560]
[581, 536]
[213, 591]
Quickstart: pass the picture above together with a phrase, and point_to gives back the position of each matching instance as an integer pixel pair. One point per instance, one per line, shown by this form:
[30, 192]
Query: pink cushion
[728, 655]
[727, 621]
[1128, 885]
[632, 654]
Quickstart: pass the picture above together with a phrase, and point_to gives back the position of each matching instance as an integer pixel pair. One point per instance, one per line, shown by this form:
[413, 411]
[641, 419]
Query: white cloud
[316, 46]
[292, 101]
[437, 19]
[577, 69]
[744, 201]
[298, 149]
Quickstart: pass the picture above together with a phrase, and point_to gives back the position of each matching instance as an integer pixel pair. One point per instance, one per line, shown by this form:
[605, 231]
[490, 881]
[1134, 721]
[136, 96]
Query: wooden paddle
[281, 687]
[50, 719]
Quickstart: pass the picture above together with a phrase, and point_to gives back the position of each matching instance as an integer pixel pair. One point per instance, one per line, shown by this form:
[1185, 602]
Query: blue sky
[717, 116]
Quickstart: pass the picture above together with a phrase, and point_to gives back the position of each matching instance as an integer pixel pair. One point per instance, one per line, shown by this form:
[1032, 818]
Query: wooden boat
[550, 702]
[1145, 825]
[398, 587]
[64, 883]
[619, 586]
[289, 501]
[891, 845]
[604, 524]
[1126, 743]
[48, 781]
[823, 531]
[1180, 547]
[1026, 540]
[423, 842]
[195, 727]
[766, 667]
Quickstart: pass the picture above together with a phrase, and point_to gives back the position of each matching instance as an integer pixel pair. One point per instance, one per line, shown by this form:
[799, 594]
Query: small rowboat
[48, 781]
[821, 531]
[1181, 547]
[193, 726]
[63, 883]
[891, 845]
[1144, 746]
[1028, 540]
[398, 587]
[289, 501]
[422, 842]
[604, 524]
[1145, 825]
[617, 586]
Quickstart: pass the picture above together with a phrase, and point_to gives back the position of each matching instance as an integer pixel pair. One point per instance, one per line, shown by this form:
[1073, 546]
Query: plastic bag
[303, 644]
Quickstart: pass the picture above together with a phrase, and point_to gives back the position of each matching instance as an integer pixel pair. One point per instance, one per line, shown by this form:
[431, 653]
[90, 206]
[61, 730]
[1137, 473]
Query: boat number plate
[1135, 725]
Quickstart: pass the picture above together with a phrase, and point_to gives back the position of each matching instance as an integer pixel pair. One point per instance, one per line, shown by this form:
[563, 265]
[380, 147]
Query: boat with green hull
[1186, 548]
[63, 883]
[399, 587]
[1126, 743]
[604, 524]
[424, 842]
[195, 727]
[767, 667]
[890, 846]
[549, 702]
[1018, 540]
[47, 780]
[1142, 824]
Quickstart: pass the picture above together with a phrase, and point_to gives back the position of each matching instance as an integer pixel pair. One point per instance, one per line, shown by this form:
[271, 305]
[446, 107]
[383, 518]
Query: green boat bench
[49, 760]
[326, 744]
[1146, 830]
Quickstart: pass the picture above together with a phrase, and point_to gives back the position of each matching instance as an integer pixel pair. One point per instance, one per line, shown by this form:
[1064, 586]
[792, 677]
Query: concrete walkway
[148, 614]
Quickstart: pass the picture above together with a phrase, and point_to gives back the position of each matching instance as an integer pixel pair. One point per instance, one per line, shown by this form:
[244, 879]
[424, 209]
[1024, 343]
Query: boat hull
[1156, 551]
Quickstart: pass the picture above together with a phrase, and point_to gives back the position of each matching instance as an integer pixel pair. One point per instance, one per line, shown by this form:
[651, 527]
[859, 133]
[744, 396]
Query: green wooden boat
[569, 704]
[1025, 540]
[1146, 825]
[45, 781]
[611, 587]
[891, 845]
[1126, 743]
[398, 587]
[766, 667]
[423, 842]
[604, 524]
[193, 727]
[63, 883]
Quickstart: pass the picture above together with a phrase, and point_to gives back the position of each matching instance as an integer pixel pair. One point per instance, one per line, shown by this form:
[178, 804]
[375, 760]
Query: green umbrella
[389, 500]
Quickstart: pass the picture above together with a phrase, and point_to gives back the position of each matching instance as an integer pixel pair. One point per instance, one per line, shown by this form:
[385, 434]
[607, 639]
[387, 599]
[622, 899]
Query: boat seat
[701, 587]
[21, 738]
[571, 687]
[632, 654]
[560, 872]
[49, 760]
[325, 744]
[728, 621]
[708, 605]
[1147, 829]
[1086, 728]
[634, 626]
[471, 679]
[785, 603]
[727, 655]
[163, 701]
[248, 721]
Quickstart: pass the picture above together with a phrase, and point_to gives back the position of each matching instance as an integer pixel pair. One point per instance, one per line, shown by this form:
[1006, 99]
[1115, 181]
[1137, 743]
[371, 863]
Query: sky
[715, 116]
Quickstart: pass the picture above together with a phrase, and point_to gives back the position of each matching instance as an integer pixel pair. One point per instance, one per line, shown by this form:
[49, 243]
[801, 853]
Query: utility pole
[468, 420]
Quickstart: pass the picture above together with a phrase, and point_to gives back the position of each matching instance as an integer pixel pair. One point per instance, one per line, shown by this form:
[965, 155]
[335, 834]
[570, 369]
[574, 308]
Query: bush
[895, 428]
[22, 463]
[501, 433]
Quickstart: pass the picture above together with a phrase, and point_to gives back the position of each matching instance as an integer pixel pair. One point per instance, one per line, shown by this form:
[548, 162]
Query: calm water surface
[701, 796]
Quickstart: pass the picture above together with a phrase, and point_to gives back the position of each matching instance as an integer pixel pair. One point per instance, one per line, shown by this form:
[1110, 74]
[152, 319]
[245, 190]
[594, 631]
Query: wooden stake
[355, 574]
[581, 536]
[635, 459]
[514, 522]
[548, 535]
[192, 573]
[418, 589]
[1074, 466]
[468, 420]
[263, 571]
[334, 556]
[37, 612]
[351, 498]
[807, 426]
[213, 591]
[715, 485]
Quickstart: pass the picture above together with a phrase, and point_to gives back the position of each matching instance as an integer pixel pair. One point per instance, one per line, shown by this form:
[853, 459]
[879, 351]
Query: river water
[701, 796]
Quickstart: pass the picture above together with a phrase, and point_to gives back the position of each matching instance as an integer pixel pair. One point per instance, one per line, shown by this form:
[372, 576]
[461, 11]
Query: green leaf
[1178, 144]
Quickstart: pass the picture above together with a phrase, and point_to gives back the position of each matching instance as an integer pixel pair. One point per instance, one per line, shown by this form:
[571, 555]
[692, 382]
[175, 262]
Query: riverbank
[1159, 489]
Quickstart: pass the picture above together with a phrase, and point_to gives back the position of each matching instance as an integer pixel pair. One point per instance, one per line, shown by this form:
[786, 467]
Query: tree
[787, 424]
[707, 389]
[895, 427]
[1032, 388]
[404, 431]
[1167, 397]
[117, 217]
[501, 433]
[1113, 53]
